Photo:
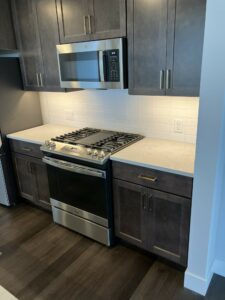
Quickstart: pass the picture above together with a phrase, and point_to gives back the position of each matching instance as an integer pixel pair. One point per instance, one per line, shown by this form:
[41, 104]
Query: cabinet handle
[26, 149]
[150, 205]
[85, 25]
[145, 202]
[41, 80]
[162, 76]
[31, 168]
[37, 76]
[89, 24]
[152, 179]
[168, 79]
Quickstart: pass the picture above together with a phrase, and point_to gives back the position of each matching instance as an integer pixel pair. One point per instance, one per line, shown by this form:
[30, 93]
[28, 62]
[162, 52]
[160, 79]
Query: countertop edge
[159, 168]
[11, 137]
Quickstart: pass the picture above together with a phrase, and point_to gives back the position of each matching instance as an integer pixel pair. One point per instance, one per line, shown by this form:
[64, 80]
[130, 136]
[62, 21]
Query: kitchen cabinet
[154, 220]
[108, 19]
[165, 41]
[7, 35]
[24, 176]
[86, 20]
[27, 41]
[31, 173]
[37, 36]
[129, 201]
[168, 226]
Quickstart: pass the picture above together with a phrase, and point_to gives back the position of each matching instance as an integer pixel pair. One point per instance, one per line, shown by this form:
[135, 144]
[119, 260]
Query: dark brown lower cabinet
[168, 226]
[129, 203]
[32, 179]
[155, 221]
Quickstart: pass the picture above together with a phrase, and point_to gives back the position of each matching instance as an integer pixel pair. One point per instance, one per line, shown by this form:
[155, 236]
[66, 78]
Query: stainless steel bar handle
[162, 76]
[64, 165]
[41, 80]
[89, 24]
[148, 178]
[168, 79]
[85, 25]
[101, 66]
[37, 77]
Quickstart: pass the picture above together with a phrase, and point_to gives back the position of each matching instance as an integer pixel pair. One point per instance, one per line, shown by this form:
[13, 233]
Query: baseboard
[219, 267]
[196, 283]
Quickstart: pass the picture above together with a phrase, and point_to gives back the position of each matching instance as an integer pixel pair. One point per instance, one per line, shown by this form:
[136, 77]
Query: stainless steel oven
[80, 198]
[93, 65]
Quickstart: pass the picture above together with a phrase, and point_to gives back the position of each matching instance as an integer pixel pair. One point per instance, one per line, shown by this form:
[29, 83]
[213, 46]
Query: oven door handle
[67, 166]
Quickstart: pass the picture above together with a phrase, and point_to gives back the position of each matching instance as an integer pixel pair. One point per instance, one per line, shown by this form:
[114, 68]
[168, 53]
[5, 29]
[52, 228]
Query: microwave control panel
[113, 65]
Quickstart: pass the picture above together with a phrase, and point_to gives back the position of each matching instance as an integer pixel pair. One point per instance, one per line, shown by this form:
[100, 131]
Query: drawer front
[26, 148]
[162, 181]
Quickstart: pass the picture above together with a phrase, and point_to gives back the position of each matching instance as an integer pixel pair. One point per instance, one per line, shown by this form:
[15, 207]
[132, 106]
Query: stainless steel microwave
[93, 65]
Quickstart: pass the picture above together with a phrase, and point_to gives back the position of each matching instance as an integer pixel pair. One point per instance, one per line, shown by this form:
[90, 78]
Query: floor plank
[43, 261]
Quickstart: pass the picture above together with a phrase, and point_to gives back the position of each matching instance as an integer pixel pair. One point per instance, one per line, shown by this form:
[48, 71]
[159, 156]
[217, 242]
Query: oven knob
[52, 144]
[47, 143]
[95, 153]
[89, 151]
[101, 154]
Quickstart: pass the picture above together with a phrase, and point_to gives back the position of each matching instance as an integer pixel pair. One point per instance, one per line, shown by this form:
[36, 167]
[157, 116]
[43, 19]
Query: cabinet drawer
[26, 148]
[158, 180]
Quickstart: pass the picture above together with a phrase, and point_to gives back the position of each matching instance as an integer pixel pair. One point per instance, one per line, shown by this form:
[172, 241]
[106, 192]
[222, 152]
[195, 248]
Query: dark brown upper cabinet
[7, 36]
[165, 41]
[84, 20]
[37, 35]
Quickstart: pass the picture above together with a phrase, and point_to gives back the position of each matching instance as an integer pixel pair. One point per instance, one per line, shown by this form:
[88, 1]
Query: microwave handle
[101, 66]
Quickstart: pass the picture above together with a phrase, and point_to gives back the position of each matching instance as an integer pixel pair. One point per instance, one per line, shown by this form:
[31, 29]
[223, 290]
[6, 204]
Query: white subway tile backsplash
[116, 110]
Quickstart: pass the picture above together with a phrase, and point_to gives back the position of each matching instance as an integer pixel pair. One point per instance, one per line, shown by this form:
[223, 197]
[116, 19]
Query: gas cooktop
[90, 144]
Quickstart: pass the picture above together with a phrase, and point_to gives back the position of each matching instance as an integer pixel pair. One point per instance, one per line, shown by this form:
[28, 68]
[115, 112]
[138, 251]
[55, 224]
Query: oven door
[85, 65]
[78, 189]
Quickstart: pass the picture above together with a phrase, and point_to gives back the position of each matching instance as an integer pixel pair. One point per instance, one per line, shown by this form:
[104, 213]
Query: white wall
[209, 167]
[113, 109]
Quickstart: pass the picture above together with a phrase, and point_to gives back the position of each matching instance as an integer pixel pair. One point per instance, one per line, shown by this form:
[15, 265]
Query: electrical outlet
[178, 126]
[69, 115]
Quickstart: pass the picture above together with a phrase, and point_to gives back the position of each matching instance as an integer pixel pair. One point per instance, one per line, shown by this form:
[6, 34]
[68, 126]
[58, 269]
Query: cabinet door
[147, 34]
[107, 18]
[39, 172]
[28, 42]
[129, 210]
[7, 37]
[73, 21]
[185, 43]
[46, 20]
[168, 226]
[24, 176]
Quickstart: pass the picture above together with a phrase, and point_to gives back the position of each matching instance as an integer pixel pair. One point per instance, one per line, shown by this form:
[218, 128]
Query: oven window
[82, 66]
[85, 192]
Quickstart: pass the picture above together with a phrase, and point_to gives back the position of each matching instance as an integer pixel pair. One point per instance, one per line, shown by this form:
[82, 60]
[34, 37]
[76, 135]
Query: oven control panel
[76, 151]
[113, 65]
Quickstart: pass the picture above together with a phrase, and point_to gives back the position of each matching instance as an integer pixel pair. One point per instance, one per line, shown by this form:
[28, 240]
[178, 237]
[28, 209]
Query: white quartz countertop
[163, 155]
[40, 134]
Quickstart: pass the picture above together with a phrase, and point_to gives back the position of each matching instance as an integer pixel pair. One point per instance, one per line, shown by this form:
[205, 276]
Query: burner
[72, 137]
[90, 144]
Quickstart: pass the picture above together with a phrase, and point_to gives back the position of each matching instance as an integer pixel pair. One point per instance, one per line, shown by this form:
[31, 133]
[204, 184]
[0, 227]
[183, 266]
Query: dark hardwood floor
[40, 260]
